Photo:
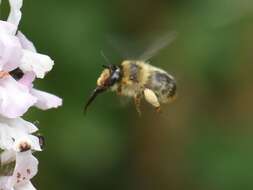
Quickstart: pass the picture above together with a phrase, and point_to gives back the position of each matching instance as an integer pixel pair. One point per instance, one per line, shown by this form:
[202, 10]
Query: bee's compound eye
[115, 76]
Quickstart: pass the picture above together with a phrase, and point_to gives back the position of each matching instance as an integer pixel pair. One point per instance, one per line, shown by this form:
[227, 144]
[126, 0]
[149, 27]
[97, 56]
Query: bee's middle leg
[151, 98]
[137, 102]
[119, 90]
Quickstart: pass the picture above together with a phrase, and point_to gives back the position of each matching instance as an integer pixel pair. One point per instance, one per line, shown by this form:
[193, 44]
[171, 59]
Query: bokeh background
[201, 141]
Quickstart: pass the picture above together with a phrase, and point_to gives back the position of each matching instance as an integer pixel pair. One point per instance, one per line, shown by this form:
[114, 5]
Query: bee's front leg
[151, 98]
[137, 102]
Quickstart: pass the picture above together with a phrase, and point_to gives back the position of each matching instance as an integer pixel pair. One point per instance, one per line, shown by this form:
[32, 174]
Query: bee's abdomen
[162, 84]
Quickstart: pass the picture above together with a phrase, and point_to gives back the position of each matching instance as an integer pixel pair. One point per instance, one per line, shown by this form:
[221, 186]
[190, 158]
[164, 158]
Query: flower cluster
[20, 65]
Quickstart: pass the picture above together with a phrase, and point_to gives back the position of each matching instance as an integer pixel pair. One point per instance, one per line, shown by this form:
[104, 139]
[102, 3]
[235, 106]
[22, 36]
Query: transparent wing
[139, 48]
[159, 44]
[126, 47]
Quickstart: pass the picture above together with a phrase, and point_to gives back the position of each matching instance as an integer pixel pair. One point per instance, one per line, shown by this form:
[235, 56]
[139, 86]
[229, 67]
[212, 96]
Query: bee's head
[109, 76]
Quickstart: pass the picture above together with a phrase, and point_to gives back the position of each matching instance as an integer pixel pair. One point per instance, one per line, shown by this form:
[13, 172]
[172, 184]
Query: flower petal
[26, 142]
[7, 156]
[25, 169]
[7, 28]
[26, 186]
[15, 134]
[38, 63]
[15, 13]
[19, 124]
[28, 79]
[6, 141]
[46, 100]
[3, 182]
[26, 44]
[10, 52]
[15, 98]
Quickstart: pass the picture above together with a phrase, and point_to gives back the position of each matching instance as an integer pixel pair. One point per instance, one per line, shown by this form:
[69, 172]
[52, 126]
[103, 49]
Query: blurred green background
[202, 141]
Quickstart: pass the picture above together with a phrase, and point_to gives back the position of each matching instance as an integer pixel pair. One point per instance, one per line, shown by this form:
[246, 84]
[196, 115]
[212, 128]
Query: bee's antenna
[105, 58]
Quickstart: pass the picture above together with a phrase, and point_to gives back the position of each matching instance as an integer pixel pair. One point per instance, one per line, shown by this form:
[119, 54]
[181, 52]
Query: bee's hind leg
[151, 98]
[137, 102]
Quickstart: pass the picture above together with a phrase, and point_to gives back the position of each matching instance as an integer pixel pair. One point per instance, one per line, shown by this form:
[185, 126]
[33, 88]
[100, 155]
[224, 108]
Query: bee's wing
[124, 46]
[138, 49]
[158, 44]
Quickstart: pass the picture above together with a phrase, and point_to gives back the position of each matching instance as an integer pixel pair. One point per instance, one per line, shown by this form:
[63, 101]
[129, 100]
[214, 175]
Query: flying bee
[137, 79]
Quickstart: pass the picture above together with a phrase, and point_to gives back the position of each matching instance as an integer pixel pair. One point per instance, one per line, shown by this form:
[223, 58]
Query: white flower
[32, 61]
[15, 13]
[18, 53]
[26, 168]
[10, 48]
[17, 141]
[38, 63]
[25, 43]
[16, 135]
[15, 98]
[20, 65]
[46, 100]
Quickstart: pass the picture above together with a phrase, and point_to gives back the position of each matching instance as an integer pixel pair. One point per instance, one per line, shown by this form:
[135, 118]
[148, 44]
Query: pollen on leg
[103, 77]
[151, 98]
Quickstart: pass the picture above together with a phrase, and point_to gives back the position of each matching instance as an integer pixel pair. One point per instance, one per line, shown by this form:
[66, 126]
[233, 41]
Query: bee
[137, 79]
